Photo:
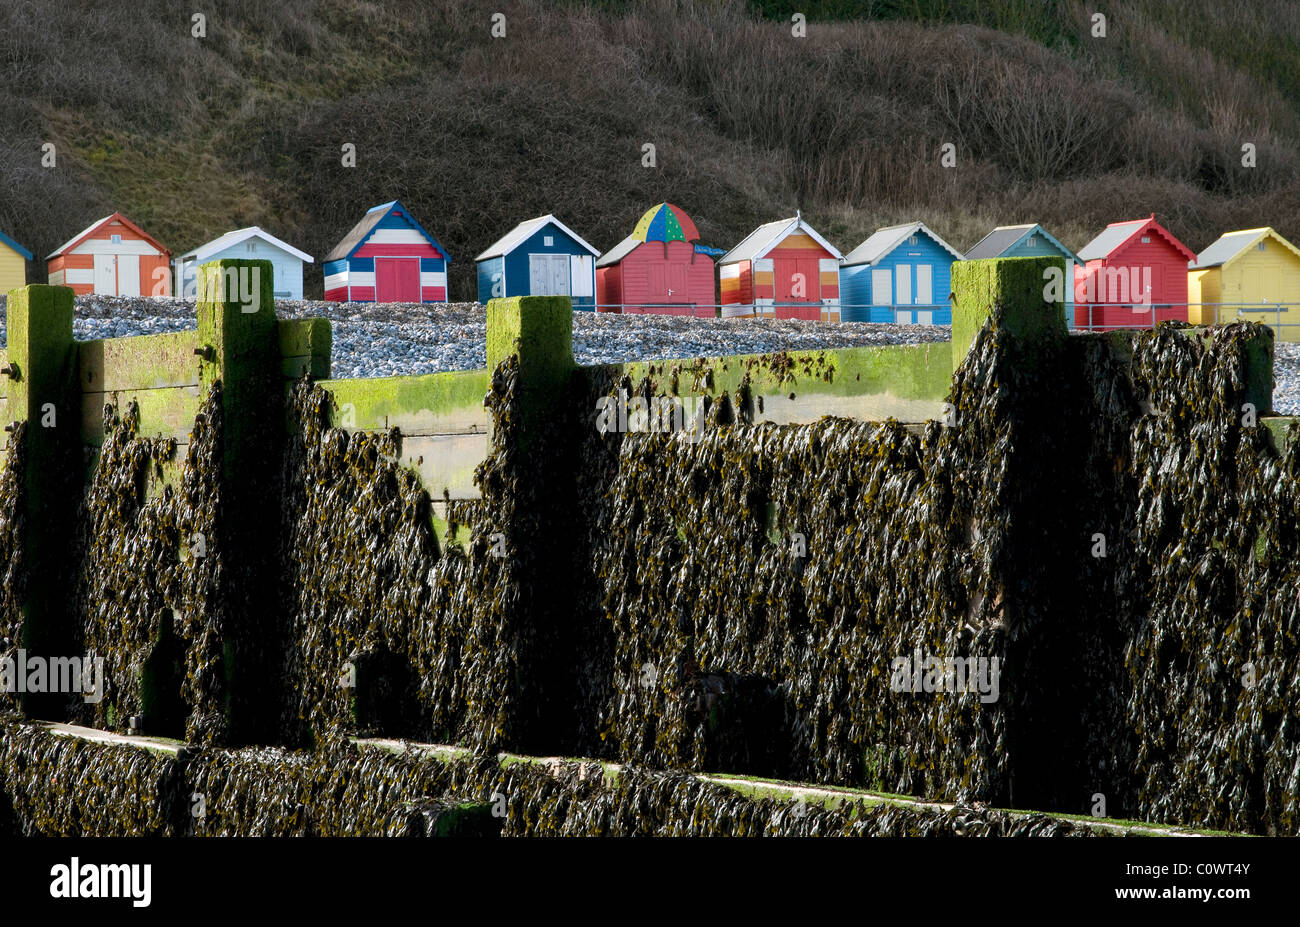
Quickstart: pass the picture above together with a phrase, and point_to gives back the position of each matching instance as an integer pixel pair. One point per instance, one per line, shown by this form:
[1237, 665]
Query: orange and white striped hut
[113, 257]
[783, 270]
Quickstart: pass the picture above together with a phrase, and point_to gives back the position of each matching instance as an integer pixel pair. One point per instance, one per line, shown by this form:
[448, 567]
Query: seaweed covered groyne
[1066, 581]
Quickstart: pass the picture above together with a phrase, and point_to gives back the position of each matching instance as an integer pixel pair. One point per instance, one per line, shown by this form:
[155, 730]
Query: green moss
[410, 403]
[1011, 288]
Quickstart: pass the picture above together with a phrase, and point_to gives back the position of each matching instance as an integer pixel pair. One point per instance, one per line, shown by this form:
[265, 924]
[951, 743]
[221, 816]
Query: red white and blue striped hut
[388, 257]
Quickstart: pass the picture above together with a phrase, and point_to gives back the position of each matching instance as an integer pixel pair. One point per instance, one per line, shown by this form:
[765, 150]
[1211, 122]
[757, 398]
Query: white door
[583, 273]
[924, 285]
[548, 274]
[106, 274]
[903, 285]
[559, 275]
[128, 275]
[882, 292]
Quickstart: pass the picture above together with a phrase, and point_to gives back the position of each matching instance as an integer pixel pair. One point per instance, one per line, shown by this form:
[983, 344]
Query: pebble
[402, 339]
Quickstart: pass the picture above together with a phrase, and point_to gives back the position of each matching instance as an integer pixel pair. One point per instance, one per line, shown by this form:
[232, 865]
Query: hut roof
[766, 237]
[525, 230]
[230, 239]
[885, 240]
[1229, 246]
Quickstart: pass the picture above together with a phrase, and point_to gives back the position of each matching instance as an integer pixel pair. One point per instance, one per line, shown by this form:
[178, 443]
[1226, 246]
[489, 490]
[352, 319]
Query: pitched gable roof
[1232, 245]
[885, 240]
[94, 226]
[525, 230]
[27, 255]
[1004, 238]
[356, 237]
[1118, 234]
[231, 239]
[997, 242]
[619, 251]
[766, 237]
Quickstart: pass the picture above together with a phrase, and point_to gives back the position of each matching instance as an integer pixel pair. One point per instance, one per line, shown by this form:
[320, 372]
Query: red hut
[659, 268]
[1134, 273]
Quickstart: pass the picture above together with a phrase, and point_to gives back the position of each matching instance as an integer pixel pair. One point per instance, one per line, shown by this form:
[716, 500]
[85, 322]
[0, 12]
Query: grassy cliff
[192, 136]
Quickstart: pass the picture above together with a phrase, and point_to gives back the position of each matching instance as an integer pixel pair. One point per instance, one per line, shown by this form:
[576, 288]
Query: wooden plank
[163, 412]
[431, 404]
[446, 461]
[138, 362]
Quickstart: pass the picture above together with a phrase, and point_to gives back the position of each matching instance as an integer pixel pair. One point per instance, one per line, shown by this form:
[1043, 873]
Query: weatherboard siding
[517, 269]
[858, 298]
[1168, 286]
[647, 273]
[286, 268]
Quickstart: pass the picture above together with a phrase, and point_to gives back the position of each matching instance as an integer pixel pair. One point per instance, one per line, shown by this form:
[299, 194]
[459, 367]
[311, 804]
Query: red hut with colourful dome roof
[660, 268]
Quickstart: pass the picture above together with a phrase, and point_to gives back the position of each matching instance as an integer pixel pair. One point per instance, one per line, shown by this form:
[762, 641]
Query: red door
[798, 288]
[397, 280]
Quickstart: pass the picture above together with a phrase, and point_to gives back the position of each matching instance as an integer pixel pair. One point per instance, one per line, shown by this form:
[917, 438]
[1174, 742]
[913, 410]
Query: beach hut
[659, 268]
[783, 270]
[112, 257]
[250, 244]
[388, 257]
[13, 264]
[1031, 240]
[1134, 273]
[902, 273]
[1256, 271]
[539, 257]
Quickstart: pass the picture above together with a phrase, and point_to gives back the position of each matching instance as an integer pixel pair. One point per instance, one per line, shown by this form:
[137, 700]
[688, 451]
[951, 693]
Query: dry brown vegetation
[192, 137]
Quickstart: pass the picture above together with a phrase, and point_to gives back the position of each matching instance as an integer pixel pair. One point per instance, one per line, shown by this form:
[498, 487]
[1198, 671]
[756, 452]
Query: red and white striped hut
[113, 257]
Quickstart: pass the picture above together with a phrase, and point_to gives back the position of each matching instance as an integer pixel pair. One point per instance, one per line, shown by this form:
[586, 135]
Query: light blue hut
[1032, 240]
[539, 257]
[250, 244]
[900, 274]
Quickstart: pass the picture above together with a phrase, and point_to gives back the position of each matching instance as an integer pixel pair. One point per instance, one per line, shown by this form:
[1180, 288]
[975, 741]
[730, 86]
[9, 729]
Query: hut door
[548, 274]
[397, 280]
[924, 285]
[106, 274]
[798, 280]
[128, 275]
[678, 288]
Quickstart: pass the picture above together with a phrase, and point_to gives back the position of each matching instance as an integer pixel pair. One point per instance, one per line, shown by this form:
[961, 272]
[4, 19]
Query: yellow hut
[1253, 274]
[13, 264]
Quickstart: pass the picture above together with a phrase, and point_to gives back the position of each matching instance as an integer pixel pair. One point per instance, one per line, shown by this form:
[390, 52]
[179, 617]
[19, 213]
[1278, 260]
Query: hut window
[252, 246]
[1146, 239]
[912, 240]
[548, 240]
[117, 239]
[1260, 246]
[1033, 242]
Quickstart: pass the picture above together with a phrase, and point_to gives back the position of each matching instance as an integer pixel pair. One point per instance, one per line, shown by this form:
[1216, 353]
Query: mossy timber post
[240, 355]
[41, 389]
[539, 329]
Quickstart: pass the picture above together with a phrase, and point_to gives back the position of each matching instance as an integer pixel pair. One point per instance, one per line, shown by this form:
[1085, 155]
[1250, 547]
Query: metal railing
[1138, 315]
[1146, 315]
[766, 310]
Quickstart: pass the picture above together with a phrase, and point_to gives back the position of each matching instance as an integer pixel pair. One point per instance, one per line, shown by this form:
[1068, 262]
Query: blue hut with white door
[902, 273]
[1031, 240]
[539, 257]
